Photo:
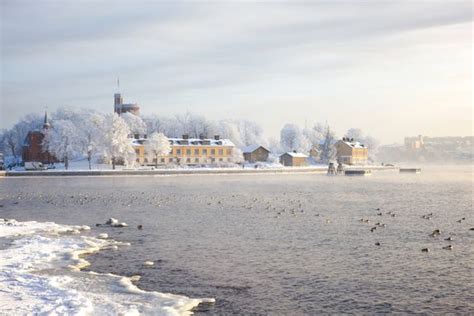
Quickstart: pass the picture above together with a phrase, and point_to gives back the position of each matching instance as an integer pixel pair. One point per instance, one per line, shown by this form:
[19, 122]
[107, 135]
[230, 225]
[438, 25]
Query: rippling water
[221, 236]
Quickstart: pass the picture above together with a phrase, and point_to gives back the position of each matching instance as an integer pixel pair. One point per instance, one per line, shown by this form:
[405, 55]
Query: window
[196, 152]
[213, 151]
[154, 160]
[213, 159]
[188, 160]
[137, 151]
[220, 159]
[196, 159]
[146, 160]
[229, 152]
[178, 151]
[188, 152]
[162, 160]
[204, 152]
[138, 160]
[221, 152]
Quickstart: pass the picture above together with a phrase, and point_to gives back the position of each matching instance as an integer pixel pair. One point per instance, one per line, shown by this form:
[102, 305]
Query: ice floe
[40, 274]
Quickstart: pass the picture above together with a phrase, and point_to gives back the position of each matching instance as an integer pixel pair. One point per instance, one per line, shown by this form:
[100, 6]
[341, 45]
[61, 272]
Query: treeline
[85, 133]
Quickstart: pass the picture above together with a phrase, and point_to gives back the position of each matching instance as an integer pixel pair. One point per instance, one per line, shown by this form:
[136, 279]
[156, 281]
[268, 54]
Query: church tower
[46, 124]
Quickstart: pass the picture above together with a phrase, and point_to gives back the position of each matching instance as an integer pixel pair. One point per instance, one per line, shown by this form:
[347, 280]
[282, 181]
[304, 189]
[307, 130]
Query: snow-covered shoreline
[40, 273]
[184, 171]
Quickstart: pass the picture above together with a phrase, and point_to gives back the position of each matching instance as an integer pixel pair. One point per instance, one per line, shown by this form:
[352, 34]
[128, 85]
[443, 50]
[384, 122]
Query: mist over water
[277, 244]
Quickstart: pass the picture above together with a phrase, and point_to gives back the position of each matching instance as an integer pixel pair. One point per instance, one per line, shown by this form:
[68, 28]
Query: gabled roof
[251, 148]
[295, 155]
[353, 144]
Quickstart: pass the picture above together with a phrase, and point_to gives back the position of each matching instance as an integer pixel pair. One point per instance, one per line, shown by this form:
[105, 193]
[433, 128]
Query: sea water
[267, 244]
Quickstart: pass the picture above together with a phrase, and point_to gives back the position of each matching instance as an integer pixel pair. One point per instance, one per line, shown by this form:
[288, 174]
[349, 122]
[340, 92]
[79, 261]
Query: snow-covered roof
[353, 144]
[191, 142]
[252, 148]
[200, 142]
[295, 155]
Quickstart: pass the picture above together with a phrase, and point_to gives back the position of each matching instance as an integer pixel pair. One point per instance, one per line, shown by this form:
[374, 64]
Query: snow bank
[40, 274]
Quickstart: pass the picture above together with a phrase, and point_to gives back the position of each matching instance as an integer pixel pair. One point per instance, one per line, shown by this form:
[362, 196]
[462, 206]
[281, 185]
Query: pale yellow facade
[188, 155]
[351, 153]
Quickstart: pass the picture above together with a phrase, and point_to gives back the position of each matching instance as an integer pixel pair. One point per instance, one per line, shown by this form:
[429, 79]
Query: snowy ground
[40, 274]
[82, 165]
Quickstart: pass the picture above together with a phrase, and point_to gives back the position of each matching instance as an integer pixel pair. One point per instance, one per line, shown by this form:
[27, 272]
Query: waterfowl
[425, 250]
[448, 247]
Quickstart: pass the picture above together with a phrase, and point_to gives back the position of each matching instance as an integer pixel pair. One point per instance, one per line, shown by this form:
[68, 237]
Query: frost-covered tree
[14, 138]
[89, 127]
[237, 155]
[313, 137]
[135, 123]
[157, 145]
[115, 143]
[251, 133]
[328, 150]
[62, 141]
[289, 137]
[355, 133]
[9, 140]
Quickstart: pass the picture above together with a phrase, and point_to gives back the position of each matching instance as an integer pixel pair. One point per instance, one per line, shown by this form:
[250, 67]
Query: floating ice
[40, 274]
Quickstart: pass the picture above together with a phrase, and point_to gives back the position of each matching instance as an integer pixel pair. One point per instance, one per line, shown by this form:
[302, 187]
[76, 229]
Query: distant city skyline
[392, 69]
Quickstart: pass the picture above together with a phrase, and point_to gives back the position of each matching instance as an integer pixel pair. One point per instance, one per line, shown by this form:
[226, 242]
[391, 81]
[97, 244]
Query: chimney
[185, 136]
[217, 137]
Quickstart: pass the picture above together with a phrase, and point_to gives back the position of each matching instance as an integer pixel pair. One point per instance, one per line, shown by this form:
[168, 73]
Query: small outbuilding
[254, 153]
[294, 159]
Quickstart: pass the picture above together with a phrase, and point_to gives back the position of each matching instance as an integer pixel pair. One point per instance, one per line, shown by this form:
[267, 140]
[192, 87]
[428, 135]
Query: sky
[390, 68]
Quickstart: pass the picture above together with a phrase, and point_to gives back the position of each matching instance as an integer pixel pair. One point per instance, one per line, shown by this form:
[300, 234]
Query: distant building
[120, 107]
[33, 146]
[351, 152]
[314, 152]
[414, 143]
[254, 153]
[189, 151]
[294, 159]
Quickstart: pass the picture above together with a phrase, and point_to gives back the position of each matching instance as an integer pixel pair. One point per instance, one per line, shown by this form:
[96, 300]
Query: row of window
[204, 152]
[187, 160]
[195, 152]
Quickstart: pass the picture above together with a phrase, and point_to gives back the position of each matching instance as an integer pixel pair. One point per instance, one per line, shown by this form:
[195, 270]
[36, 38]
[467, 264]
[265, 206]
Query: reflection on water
[277, 244]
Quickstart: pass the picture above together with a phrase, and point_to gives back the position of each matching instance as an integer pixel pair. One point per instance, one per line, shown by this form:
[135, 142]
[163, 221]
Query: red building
[33, 146]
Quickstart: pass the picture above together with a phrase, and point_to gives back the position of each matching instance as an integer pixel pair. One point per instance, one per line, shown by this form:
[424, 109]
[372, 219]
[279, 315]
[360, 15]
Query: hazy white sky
[391, 68]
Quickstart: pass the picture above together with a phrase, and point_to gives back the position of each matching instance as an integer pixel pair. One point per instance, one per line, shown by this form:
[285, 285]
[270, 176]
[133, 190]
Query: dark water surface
[221, 236]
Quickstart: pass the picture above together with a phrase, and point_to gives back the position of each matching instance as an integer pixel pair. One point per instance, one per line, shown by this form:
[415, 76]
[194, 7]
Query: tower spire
[46, 124]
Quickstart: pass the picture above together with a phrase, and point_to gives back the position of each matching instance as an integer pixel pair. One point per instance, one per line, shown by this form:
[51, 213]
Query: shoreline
[197, 171]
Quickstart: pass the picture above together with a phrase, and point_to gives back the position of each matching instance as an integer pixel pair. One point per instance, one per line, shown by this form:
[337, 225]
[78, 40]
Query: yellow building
[189, 151]
[351, 152]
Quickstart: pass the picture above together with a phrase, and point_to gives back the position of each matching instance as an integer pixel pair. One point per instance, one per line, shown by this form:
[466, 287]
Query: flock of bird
[279, 206]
